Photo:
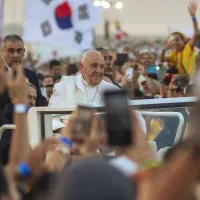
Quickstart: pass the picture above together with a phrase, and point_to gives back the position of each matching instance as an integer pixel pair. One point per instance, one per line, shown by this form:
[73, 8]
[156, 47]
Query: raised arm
[18, 89]
[192, 9]
[169, 45]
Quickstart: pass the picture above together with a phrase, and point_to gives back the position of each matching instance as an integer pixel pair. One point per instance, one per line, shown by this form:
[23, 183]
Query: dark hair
[101, 49]
[40, 76]
[53, 63]
[55, 78]
[72, 69]
[182, 36]
[49, 86]
[12, 38]
[48, 76]
[73, 182]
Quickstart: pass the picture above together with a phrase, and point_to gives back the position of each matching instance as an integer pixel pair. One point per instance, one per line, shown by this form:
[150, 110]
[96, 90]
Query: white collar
[85, 83]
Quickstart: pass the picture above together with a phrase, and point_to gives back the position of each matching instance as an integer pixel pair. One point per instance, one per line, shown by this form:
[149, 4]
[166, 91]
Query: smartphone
[82, 124]
[121, 59]
[161, 72]
[118, 119]
[129, 74]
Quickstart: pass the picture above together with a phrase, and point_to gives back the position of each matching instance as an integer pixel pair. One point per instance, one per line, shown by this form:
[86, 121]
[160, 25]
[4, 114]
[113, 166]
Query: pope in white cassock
[87, 88]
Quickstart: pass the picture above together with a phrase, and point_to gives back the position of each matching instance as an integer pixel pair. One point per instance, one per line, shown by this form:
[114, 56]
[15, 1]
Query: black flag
[78, 37]
[83, 12]
[46, 28]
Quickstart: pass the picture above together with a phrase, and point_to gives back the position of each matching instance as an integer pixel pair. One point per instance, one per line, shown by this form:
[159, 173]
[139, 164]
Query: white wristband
[125, 165]
[21, 108]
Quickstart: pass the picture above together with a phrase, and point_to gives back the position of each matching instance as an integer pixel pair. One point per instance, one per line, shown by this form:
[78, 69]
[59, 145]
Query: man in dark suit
[13, 54]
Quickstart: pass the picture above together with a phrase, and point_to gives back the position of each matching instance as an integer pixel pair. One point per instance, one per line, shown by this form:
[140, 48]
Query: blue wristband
[66, 141]
[194, 19]
[24, 169]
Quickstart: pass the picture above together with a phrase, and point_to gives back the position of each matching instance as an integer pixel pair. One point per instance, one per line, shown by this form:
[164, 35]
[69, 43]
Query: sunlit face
[56, 70]
[93, 69]
[108, 69]
[141, 69]
[178, 42]
[49, 91]
[13, 54]
[48, 81]
[151, 58]
[147, 59]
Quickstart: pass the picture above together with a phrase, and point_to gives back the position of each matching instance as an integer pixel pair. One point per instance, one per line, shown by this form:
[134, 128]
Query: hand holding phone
[129, 74]
[83, 119]
[161, 72]
[118, 120]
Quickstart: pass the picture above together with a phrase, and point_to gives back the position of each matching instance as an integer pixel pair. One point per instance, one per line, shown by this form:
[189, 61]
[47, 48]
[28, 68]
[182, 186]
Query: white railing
[41, 118]
[38, 120]
[6, 127]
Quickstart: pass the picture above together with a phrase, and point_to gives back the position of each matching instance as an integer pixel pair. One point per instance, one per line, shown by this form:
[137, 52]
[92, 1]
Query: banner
[61, 22]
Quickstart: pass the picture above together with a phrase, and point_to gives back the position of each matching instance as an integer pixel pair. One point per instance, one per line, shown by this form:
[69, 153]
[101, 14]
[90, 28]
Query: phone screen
[161, 73]
[121, 59]
[118, 121]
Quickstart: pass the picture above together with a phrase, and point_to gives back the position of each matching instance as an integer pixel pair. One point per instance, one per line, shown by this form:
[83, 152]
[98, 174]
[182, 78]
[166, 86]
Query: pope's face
[93, 69]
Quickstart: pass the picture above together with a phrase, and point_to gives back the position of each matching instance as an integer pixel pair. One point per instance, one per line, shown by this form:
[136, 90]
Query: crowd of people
[79, 161]
[144, 71]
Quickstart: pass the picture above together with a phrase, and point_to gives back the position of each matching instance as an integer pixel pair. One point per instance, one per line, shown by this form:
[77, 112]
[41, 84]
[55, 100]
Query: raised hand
[36, 157]
[169, 45]
[92, 141]
[140, 151]
[192, 8]
[18, 87]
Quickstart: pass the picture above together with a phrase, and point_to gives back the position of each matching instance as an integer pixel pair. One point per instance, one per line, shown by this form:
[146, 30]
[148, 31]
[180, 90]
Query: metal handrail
[40, 118]
[5, 127]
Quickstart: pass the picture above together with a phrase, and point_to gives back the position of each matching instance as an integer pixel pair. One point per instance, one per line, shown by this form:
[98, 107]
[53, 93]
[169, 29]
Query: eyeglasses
[108, 57]
[19, 51]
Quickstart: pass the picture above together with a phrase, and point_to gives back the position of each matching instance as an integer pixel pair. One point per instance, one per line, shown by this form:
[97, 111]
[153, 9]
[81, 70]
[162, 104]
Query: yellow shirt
[185, 60]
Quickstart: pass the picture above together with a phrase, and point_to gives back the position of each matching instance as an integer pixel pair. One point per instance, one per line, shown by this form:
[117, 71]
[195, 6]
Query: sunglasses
[108, 57]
